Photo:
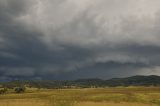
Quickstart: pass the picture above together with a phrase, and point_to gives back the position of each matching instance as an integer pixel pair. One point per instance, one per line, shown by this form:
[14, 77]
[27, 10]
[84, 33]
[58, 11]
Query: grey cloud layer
[71, 39]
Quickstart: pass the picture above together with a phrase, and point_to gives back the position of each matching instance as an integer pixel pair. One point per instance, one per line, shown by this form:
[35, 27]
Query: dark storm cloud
[78, 39]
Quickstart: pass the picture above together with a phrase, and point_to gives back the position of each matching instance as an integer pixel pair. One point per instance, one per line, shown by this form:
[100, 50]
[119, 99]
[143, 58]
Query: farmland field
[118, 96]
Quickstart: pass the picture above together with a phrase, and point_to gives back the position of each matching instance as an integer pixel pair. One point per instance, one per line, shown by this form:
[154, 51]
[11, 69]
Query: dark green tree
[20, 89]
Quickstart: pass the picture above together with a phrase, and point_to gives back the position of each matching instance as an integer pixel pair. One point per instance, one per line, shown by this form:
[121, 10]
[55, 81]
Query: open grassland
[119, 96]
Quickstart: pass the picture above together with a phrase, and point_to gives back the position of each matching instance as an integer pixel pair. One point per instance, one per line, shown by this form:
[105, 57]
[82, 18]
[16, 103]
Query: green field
[119, 96]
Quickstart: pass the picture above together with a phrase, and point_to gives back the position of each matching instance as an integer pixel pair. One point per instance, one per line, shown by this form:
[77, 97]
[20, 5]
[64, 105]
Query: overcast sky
[72, 39]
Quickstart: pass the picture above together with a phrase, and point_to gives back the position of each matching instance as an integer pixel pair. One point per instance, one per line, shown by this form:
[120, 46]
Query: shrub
[20, 89]
[3, 91]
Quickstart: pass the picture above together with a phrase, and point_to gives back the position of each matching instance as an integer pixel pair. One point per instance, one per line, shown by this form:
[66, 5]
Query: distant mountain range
[85, 83]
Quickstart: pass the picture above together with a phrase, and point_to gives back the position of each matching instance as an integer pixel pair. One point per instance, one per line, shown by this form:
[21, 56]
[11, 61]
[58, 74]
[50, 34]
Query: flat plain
[109, 96]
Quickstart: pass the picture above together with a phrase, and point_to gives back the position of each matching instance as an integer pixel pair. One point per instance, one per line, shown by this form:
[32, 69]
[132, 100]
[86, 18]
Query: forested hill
[84, 83]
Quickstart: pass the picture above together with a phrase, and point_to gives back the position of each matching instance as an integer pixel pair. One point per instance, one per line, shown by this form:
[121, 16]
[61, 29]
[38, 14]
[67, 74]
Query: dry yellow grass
[112, 104]
[135, 96]
[44, 103]
[22, 102]
[28, 102]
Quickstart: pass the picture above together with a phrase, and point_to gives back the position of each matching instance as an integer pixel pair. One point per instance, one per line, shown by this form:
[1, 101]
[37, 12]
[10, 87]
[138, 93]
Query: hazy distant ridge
[129, 81]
